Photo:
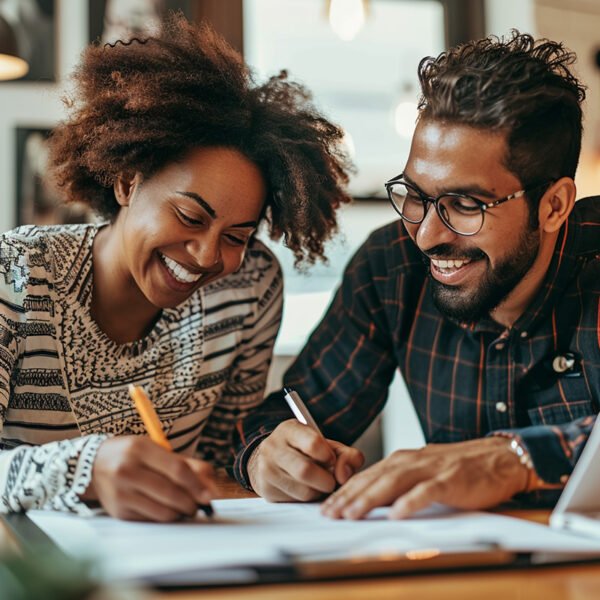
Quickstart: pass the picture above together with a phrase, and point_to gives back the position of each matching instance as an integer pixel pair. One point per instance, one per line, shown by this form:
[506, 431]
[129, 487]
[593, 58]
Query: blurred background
[359, 58]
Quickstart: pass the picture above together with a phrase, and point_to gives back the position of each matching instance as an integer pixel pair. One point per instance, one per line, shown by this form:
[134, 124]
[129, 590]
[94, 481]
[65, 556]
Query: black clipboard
[32, 539]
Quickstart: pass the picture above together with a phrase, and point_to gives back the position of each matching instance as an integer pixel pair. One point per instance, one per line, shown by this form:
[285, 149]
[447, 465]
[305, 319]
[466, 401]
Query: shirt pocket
[568, 399]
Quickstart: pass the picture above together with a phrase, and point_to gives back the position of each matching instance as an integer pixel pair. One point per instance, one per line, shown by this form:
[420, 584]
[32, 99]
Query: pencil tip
[207, 509]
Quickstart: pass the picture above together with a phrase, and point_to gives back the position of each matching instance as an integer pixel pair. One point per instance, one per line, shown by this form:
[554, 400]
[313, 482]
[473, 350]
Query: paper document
[253, 532]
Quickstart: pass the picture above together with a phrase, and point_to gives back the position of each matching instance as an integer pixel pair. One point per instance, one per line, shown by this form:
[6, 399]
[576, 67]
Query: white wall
[503, 15]
[32, 104]
[577, 24]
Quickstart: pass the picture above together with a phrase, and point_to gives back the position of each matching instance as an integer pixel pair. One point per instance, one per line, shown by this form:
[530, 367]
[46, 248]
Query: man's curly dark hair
[520, 85]
[139, 105]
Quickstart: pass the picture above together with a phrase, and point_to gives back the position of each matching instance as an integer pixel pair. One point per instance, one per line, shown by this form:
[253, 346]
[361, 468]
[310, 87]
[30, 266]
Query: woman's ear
[125, 186]
[556, 204]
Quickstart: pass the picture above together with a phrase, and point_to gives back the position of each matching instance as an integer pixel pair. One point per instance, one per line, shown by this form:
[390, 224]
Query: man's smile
[454, 271]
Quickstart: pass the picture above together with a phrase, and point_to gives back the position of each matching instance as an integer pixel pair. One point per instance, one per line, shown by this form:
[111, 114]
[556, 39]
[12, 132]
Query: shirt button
[499, 346]
[501, 407]
[524, 334]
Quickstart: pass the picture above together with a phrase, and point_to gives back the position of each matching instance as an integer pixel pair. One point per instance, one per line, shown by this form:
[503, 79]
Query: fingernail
[348, 471]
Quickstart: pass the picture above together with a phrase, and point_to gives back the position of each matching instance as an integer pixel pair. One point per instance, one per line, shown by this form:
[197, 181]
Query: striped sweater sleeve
[49, 476]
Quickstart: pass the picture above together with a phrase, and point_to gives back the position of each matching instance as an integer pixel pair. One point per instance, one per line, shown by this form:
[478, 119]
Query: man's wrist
[251, 466]
[515, 445]
[524, 458]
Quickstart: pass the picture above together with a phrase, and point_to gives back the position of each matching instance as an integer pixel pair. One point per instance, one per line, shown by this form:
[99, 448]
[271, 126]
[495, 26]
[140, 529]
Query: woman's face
[188, 224]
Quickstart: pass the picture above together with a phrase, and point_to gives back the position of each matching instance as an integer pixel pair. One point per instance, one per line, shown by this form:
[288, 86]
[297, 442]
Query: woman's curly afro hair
[142, 104]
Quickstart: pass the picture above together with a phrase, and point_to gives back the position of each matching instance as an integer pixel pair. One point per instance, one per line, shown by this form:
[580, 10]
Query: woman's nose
[205, 251]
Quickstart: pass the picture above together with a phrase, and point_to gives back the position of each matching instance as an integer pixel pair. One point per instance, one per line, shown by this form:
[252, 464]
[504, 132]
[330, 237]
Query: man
[485, 295]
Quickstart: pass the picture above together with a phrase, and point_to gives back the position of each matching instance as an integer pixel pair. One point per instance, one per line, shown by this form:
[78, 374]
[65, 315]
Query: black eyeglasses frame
[484, 206]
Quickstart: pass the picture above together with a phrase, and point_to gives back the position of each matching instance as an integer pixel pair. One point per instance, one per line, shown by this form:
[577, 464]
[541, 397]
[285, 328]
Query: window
[367, 85]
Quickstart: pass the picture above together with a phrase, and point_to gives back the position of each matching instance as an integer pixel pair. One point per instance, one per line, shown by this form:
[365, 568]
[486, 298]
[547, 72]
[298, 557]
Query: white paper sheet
[255, 532]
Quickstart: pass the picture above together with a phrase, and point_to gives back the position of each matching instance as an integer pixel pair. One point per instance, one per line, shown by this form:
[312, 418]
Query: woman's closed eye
[237, 240]
[190, 220]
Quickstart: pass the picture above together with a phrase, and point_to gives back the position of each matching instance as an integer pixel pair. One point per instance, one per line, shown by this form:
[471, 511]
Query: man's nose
[433, 231]
[206, 251]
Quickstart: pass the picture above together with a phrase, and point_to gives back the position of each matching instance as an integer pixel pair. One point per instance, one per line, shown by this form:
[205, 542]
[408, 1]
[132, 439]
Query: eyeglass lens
[460, 213]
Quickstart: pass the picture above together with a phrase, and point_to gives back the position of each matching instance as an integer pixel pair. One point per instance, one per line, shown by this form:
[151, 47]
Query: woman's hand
[135, 479]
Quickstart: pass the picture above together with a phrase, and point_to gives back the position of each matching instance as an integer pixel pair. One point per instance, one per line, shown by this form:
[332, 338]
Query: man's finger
[336, 503]
[298, 492]
[310, 443]
[379, 486]
[380, 493]
[308, 474]
[349, 461]
[421, 496]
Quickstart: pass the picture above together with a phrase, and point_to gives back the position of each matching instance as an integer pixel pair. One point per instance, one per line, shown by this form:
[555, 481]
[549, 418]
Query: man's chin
[458, 304]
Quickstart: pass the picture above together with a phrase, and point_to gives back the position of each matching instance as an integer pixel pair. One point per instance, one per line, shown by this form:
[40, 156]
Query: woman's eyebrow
[211, 211]
[246, 224]
[201, 201]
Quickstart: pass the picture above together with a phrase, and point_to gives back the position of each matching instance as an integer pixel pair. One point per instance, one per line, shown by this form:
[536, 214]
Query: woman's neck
[118, 306]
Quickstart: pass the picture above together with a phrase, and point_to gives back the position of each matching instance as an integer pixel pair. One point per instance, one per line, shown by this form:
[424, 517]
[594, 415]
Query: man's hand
[296, 463]
[133, 478]
[472, 475]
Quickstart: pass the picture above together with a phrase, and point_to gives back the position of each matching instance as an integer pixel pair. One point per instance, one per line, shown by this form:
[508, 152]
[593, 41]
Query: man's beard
[463, 305]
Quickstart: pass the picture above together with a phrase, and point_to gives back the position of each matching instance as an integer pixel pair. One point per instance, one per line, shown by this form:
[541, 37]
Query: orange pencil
[154, 427]
[149, 416]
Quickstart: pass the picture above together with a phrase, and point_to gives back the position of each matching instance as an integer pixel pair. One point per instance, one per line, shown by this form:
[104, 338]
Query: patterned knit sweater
[63, 382]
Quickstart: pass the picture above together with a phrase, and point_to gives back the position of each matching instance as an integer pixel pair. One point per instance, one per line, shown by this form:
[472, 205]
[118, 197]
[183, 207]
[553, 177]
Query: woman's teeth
[180, 273]
[450, 265]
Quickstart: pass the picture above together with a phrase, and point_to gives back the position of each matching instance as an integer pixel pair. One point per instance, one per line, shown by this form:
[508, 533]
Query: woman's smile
[178, 271]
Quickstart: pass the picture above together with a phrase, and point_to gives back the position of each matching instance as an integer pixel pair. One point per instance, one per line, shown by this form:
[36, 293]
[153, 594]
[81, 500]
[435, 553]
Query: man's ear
[125, 186]
[556, 204]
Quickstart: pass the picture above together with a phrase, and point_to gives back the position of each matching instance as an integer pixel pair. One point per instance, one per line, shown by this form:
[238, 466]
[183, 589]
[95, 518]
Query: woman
[171, 140]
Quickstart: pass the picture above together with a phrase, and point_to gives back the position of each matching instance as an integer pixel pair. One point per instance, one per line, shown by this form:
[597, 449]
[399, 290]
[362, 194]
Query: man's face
[470, 275]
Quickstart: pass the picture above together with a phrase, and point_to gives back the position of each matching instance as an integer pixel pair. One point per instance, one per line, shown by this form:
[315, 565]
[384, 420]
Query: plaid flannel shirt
[465, 380]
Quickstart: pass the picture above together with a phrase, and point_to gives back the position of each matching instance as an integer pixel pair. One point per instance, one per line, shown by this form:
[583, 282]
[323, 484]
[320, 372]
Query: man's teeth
[450, 264]
[180, 273]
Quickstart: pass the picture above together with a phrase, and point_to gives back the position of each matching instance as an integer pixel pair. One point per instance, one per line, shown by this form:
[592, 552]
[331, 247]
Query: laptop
[578, 508]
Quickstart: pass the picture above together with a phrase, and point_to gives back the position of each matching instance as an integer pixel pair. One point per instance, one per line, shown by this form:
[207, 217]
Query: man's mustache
[448, 252]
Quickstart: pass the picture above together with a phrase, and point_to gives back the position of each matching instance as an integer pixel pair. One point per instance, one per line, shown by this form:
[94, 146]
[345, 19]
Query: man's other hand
[470, 475]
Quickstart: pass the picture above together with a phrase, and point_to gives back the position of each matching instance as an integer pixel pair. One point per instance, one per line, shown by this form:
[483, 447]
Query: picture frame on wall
[38, 202]
[112, 20]
[32, 23]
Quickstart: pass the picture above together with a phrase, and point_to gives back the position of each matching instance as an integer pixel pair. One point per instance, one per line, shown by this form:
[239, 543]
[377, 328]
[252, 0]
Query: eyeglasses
[461, 213]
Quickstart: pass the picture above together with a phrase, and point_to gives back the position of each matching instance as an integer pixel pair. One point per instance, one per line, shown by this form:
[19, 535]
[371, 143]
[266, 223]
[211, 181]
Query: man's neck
[516, 303]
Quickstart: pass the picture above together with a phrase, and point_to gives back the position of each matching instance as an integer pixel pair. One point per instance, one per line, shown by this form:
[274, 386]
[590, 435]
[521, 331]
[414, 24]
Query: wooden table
[556, 583]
